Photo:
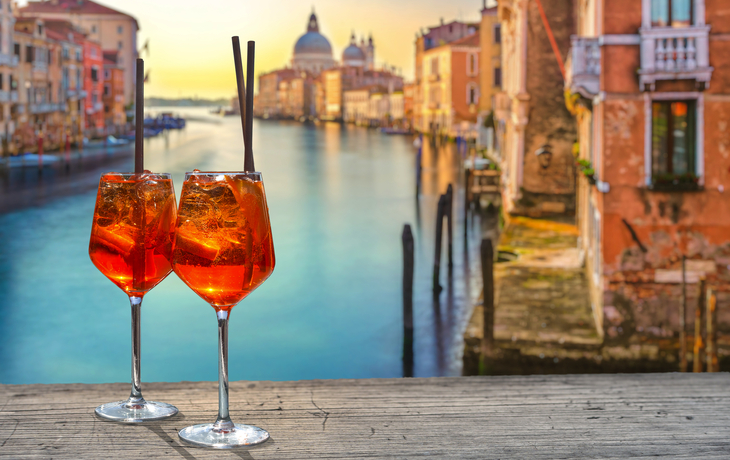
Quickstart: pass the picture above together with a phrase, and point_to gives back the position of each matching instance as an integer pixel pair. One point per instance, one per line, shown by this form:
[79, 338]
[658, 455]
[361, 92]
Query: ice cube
[193, 242]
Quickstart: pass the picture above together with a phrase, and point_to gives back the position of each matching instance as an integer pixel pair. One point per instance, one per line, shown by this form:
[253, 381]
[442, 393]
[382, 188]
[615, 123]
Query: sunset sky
[190, 41]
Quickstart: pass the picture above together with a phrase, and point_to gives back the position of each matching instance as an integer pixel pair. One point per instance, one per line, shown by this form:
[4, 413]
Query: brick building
[535, 131]
[649, 85]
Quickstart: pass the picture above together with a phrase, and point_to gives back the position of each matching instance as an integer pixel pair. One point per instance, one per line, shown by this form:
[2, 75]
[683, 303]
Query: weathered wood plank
[576, 416]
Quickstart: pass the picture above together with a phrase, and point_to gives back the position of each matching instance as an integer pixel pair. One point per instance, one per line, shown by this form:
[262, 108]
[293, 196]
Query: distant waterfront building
[112, 29]
[490, 61]
[312, 51]
[113, 92]
[314, 86]
[8, 67]
[450, 85]
[434, 37]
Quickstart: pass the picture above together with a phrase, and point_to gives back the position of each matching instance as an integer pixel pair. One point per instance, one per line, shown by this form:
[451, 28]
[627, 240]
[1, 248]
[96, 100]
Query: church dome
[313, 42]
[353, 52]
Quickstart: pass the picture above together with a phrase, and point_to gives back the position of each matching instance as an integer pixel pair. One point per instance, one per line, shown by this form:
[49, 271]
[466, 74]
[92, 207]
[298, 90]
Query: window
[472, 94]
[40, 29]
[107, 90]
[93, 29]
[498, 76]
[497, 33]
[472, 64]
[79, 56]
[120, 29]
[94, 74]
[107, 75]
[13, 82]
[119, 45]
[16, 49]
[28, 53]
[2, 82]
[671, 13]
[673, 142]
[92, 52]
[106, 108]
[435, 66]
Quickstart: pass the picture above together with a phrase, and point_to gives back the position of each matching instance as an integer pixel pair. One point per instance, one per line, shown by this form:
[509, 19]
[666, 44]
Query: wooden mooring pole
[408, 261]
[440, 210]
[683, 320]
[450, 226]
[711, 349]
[487, 256]
[699, 345]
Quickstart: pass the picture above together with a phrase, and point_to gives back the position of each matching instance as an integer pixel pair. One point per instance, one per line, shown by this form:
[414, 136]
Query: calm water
[338, 198]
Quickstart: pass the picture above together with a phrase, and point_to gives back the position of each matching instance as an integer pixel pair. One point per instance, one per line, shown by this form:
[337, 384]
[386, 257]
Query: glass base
[240, 436]
[135, 412]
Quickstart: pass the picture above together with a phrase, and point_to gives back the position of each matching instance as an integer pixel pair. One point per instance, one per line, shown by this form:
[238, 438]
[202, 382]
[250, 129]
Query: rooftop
[76, 7]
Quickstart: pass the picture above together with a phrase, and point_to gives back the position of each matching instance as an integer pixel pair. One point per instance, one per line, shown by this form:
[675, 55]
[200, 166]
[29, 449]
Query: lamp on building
[544, 155]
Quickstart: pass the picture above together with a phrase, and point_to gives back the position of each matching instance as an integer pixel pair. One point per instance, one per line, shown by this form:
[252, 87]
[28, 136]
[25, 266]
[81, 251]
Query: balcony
[45, 108]
[669, 53]
[9, 60]
[4, 96]
[584, 66]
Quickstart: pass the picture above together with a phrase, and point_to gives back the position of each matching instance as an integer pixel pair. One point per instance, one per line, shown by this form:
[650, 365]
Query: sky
[190, 41]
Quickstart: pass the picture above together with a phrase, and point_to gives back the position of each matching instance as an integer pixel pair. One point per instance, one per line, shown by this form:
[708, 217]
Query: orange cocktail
[223, 246]
[131, 244]
[131, 237]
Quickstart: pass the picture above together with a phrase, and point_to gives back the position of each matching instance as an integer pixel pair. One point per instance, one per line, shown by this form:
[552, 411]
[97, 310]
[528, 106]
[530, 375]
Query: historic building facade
[649, 84]
[535, 131]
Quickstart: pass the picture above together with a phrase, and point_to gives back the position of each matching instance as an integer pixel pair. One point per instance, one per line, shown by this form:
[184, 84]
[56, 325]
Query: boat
[395, 131]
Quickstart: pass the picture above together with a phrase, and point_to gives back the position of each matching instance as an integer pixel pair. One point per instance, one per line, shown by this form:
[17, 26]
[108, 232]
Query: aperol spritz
[131, 244]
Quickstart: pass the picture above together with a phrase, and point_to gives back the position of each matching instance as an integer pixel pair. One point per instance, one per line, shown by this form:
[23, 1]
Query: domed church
[312, 52]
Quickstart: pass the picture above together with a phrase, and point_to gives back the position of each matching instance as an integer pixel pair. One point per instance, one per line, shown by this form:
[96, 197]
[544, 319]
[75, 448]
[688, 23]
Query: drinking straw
[248, 166]
[139, 120]
[241, 92]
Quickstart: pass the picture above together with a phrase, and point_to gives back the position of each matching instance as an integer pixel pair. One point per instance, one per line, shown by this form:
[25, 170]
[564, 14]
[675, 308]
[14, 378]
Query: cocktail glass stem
[223, 424]
[135, 398]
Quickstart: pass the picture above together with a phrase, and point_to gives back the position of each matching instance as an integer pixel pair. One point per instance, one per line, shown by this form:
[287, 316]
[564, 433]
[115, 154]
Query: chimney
[442, 21]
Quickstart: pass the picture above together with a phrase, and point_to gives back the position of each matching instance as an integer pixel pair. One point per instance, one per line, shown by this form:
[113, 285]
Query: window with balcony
[671, 13]
[673, 144]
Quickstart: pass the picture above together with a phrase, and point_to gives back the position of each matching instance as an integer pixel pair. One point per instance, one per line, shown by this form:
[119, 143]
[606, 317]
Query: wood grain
[557, 416]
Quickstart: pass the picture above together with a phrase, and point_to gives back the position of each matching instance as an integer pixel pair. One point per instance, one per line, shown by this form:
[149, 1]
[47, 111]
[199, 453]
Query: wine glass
[131, 244]
[223, 251]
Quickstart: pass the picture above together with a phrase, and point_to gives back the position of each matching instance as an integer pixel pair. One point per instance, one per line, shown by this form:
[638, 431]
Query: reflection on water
[338, 199]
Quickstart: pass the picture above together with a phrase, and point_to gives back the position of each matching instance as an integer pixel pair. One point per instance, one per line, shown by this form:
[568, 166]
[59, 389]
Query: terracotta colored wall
[720, 61]
[459, 80]
[621, 16]
[618, 68]
[718, 14]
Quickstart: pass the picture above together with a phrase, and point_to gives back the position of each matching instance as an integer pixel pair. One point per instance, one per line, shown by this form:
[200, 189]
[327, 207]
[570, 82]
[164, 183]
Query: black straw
[139, 120]
[241, 93]
[248, 165]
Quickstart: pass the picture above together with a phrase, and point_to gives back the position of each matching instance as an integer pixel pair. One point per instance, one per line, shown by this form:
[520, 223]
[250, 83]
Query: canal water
[339, 197]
